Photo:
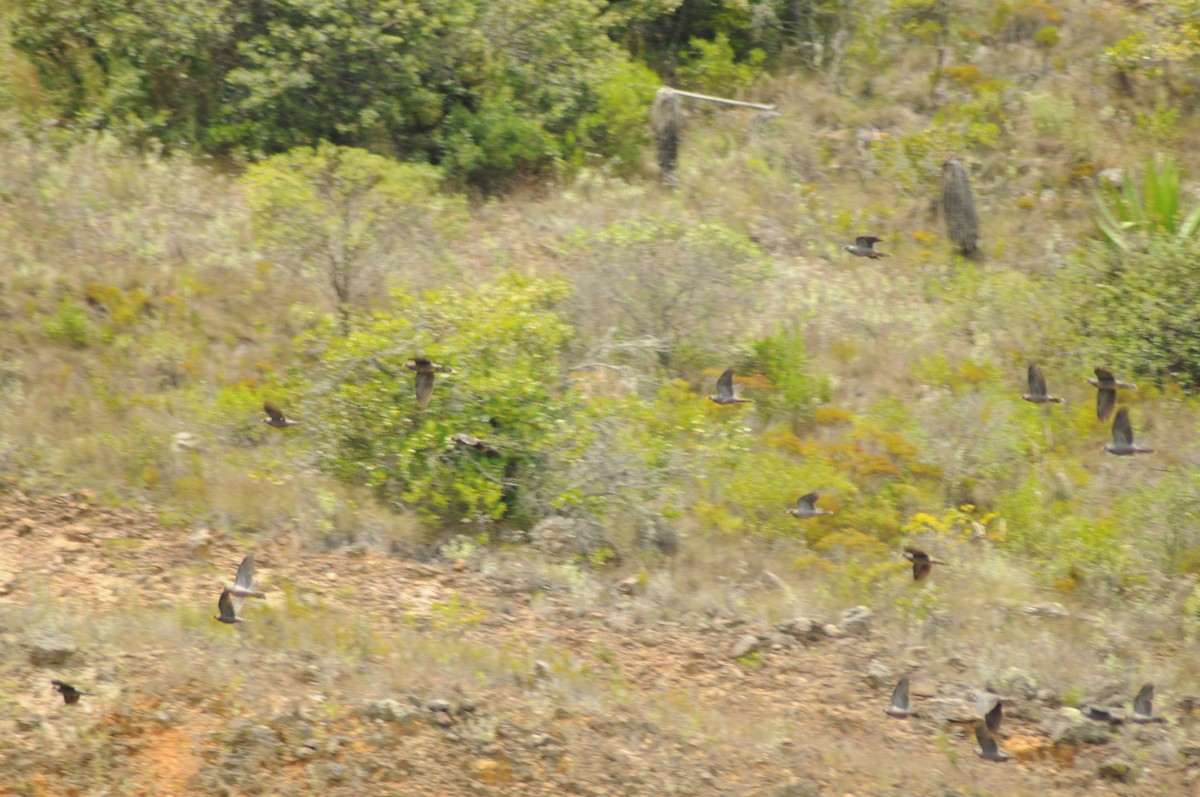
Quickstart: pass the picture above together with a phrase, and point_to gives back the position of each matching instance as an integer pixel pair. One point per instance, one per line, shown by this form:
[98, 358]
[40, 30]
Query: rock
[856, 621]
[745, 645]
[878, 674]
[1069, 726]
[50, 650]
[78, 532]
[29, 722]
[1114, 176]
[489, 771]
[627, 586]
[944, 710]
[24, 527]
[1051, 609]
[1118, 770]
[438, 705]
[832, 631]
[391, 711]
[8, 583]
[465, 706]
[199, 541]
[567, 538]
[1015, 682]
[186, 441]
[803, 628]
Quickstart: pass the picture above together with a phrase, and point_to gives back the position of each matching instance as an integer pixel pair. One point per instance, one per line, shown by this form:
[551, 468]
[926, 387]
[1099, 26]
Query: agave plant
[1155, 211]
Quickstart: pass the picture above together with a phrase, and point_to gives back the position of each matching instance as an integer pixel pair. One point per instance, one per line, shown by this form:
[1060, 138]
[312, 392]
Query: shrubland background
[203, 206]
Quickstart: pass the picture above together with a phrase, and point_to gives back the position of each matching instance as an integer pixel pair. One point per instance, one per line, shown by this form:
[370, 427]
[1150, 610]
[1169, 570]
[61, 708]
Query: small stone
[391, 711]
[50, 650]
[878, 674]
[303, 751]
[856, 621]
[832, 631]
[489, 771]
[1052, 609]
[459, 565]
[627, 586]
[1069, 725]
[1118, 770]
[465, 706]
[199, 540]
[745, 645]
[438, 705]
[804, 628]
[29, 722]
[25, 527]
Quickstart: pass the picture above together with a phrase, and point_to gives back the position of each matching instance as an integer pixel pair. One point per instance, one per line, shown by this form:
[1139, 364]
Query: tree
[347, 216]
[666, 283]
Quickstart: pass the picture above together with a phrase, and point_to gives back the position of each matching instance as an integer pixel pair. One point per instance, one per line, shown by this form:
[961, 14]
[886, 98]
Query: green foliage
[68, 325]
[341, 214]
[782, 359]
[667, 283]
[503, 339]
[1156, 210]
[711, 67]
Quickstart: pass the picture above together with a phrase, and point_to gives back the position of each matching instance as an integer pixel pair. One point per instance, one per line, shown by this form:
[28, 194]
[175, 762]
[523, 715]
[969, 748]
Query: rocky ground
[490, 674]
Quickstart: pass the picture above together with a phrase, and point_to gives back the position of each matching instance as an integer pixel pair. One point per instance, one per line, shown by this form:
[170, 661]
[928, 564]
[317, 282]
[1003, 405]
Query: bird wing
[273, 411]
[1144, 702]
[1122, 429]
[424, 388]
[921, 569]
[725, 384]
[245, 573]
[808, 502]
[1037, 380]
[1106, 401]
[995, 716]
[987, 742]
[867, 241]
[900, 694]
[225, 606]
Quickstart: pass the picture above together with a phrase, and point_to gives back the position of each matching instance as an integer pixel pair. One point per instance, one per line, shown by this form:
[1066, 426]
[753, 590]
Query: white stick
[738, 103]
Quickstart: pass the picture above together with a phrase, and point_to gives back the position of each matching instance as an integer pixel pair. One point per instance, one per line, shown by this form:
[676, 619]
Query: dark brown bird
[922, 563]
[275, 416]
[69, 693]
[228, 607]
[727, 391]
[806, 507]
[424, 378]
[243, 582]
[1122, 432]
[864, 246]
[987, 750]
[1143, 705]
[1106, 392]
[900, 707]
[1037, 387]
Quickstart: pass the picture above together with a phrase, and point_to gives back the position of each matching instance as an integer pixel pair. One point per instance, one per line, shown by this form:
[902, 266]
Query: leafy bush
[503, 340]
[1155, 211]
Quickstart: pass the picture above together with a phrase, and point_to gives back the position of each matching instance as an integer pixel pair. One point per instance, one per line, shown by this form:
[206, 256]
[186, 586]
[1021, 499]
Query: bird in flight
[243, 582]
[806, 507]
[1143, 705]
[900, 707]
[1106, 392]
[922, 563]
[1122, 432]
[727, 391]
[275, 416]
[864, 246]
[992, 708]
[987, 750]
[228, 607]
[1037, 387]
[69, 693]
[425, 369]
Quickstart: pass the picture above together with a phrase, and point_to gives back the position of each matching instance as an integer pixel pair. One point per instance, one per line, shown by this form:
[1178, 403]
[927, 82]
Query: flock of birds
[990, 706]
[231, 600]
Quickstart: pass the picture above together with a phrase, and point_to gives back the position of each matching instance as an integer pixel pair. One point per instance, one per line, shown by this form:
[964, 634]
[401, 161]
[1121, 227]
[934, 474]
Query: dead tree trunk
[958, 206]
[664, 118]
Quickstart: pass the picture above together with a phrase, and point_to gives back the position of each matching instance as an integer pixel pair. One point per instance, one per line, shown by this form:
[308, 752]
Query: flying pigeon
[727, 391]
[921, 562]
[806, 507]
[1143, 706]
[228, 607]
[1122, 432]
[69, 693]
[1037, 387]
[275, 416]
[1106, 392]
[243, 582]
[987, 749]
[900, 707]
[424, 379]
[864, 246]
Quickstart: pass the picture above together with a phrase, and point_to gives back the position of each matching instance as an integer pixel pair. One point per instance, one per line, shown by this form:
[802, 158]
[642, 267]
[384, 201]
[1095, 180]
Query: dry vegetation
[146, 312]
